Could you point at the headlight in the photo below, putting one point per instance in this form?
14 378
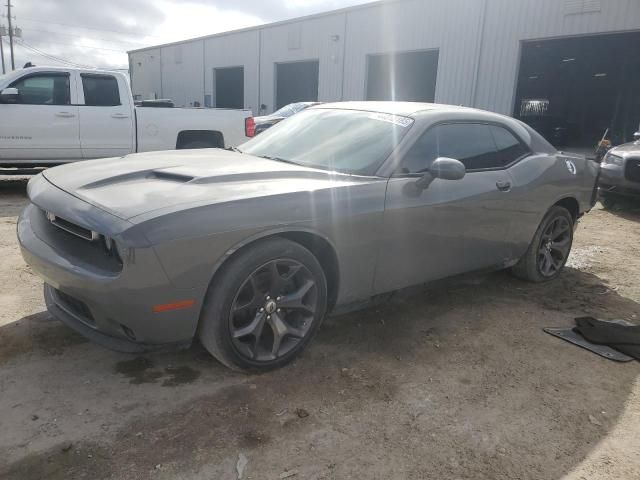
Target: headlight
611 159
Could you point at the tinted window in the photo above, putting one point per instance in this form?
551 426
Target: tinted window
100 90
472 144
509 147
43 90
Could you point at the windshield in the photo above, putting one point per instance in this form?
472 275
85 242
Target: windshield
348 141
289 110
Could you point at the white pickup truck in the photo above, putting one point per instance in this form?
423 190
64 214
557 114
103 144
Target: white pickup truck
53 115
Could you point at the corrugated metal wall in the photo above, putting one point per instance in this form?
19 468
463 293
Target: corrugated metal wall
478 41
146 74
234 50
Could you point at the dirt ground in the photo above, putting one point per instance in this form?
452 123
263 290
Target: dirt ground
453 382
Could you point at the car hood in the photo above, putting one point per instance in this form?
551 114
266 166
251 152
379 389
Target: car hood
164 182
632 148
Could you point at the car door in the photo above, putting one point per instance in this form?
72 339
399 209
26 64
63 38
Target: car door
453 226
42 124
106 122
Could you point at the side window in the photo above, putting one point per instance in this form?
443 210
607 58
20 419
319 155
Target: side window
509 147
422 154
45 89
100 90
478 146
470 143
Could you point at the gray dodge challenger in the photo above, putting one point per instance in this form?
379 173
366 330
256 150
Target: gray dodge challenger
248 250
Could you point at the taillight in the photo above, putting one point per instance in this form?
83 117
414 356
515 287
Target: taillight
249 127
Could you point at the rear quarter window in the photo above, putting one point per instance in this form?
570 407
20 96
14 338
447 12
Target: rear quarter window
100 90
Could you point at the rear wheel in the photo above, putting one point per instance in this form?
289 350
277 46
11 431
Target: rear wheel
550 248
264 307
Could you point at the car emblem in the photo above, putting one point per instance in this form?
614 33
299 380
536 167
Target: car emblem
571 167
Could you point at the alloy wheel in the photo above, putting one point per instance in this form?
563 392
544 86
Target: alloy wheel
273 310
555 246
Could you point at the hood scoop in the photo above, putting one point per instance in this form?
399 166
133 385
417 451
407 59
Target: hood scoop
171 176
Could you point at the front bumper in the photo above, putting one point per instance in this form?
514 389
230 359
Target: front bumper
613 182
113 307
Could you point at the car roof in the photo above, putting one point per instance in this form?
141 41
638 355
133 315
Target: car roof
408 109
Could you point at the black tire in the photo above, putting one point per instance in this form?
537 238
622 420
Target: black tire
239 299
533 265
197 145
608 202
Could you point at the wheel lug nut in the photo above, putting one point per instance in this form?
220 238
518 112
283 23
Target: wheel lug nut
268 297
262 309
268 317
278 310
278 298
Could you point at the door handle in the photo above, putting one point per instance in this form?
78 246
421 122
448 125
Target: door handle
65 114
504 185
119 115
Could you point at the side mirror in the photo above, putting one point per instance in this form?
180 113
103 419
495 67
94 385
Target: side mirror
443 168
9 95
636 135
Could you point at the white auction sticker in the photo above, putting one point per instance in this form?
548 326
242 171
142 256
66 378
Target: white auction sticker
390 118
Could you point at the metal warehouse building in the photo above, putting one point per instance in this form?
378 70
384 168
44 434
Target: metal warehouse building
570 67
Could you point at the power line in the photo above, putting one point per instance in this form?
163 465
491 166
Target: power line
81 36
87 46
80 26
50 56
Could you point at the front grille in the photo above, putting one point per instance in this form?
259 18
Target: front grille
632 170
75 306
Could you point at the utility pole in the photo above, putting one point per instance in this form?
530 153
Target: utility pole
3 31
13 63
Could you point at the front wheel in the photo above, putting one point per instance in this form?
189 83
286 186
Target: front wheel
264 307
550 248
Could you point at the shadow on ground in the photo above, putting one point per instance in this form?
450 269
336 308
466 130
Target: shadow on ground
457 381
627 208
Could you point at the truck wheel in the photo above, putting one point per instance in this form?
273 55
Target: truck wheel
550 248
264 306
196 145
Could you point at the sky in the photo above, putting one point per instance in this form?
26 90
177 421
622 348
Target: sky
98 33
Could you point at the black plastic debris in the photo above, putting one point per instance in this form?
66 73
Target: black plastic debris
616 340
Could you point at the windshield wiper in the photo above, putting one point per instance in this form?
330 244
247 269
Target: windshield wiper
234 149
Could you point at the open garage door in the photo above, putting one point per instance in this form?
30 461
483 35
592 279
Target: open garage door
572 90
408 76
229 87
296 82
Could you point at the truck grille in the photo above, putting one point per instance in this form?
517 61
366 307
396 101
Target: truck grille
632 170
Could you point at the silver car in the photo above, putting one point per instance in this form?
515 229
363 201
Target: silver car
250 249
620 175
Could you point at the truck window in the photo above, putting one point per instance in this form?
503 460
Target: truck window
43 89
100 90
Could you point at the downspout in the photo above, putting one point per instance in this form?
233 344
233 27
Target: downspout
344 54
480 43
259 72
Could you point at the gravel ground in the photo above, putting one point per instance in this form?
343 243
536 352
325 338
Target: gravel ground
452 382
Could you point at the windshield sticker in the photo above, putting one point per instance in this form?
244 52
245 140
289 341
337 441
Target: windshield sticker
389 118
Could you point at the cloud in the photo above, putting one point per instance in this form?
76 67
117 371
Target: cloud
99 33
